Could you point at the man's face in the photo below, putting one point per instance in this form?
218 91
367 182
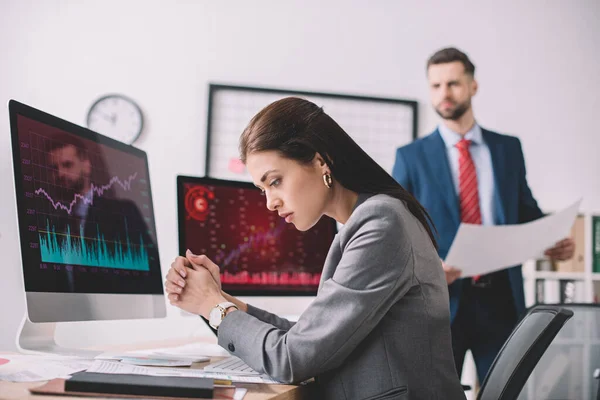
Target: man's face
451 89
70 171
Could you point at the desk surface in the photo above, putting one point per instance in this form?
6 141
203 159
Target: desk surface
20 391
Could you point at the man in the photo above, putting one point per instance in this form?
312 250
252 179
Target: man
87 224
462 172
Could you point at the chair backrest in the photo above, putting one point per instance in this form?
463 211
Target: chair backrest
565 370
522 351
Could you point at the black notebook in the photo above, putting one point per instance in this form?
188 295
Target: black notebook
167 386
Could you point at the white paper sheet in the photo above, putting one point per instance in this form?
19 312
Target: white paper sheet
154 362
479 249
239 393
34 368
196 349
153 356
111 367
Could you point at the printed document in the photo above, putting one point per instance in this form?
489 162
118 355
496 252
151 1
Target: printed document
481 249
111 367
34 368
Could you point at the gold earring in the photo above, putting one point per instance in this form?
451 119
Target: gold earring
327 180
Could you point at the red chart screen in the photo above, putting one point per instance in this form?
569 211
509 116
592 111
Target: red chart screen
257 251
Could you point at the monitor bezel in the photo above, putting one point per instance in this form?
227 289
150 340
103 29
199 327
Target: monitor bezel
63 306
186 179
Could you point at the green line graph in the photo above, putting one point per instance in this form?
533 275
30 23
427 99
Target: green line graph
94 252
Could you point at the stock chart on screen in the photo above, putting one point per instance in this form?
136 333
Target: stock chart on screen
89 218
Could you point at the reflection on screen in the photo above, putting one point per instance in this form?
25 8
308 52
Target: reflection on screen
88 220
257 251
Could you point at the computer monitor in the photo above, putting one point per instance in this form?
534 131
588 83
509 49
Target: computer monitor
86 227
259 254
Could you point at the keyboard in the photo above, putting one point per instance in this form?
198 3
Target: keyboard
231 366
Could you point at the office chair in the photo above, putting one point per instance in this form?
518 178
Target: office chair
566 368
522 351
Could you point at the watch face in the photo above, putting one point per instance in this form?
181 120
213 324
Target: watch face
116 116
214 318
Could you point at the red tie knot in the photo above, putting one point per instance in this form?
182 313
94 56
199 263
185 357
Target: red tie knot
463 144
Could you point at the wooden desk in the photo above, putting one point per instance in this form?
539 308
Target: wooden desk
261 391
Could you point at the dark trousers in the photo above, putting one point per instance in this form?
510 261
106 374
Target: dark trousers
485 319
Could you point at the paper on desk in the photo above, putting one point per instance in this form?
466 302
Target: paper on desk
194 352
111 367
239 393
155 362
195 349
33 368
480 249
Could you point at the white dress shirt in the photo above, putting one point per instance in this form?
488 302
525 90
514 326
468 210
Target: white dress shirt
482 158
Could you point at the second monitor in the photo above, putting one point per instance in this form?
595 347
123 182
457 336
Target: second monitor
258 252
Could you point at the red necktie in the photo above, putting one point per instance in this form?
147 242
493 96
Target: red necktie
468 189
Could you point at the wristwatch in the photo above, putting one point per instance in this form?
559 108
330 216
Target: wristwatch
218 313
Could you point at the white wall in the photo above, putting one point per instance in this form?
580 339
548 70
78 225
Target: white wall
537 64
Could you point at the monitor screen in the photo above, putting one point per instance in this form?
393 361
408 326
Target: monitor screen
257 251
85 216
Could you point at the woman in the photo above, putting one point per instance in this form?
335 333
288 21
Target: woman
379 327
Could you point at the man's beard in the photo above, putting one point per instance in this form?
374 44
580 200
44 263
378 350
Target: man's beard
458 112
71 188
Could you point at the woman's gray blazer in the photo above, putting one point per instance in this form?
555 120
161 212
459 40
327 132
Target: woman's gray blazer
379 327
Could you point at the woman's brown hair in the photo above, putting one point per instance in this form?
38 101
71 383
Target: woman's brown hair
298 129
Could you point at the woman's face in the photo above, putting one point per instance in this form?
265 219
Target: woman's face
296 191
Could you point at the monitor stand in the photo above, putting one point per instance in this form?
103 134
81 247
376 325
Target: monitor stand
38 338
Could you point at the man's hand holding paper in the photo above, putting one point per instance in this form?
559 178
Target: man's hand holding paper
562 250
451 273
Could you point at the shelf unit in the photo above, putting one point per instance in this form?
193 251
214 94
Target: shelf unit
590 281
